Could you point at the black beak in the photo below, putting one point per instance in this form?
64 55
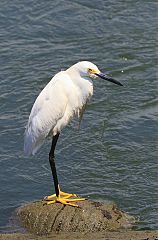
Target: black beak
105 77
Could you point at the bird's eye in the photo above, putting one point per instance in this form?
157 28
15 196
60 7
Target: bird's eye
89 70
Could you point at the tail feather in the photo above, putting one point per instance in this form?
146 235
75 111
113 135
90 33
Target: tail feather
31 145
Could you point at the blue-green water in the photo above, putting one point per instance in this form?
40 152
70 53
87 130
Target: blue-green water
114 156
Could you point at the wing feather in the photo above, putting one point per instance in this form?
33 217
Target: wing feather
48 108
53 109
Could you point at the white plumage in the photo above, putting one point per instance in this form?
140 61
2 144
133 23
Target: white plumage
63 97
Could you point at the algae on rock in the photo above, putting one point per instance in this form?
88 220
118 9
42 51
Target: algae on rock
90 216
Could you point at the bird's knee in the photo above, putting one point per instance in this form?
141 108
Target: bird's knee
51 156
52 159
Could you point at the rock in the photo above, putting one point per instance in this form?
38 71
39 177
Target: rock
90 216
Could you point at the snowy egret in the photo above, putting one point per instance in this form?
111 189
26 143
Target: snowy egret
63 97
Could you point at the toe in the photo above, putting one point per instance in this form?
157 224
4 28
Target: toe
50 202
50 197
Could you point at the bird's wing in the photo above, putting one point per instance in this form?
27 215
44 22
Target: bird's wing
48 109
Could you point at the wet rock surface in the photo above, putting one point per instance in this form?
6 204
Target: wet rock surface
90 217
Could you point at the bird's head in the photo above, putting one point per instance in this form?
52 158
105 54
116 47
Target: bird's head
88 69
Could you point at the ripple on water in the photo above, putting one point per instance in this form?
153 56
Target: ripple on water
114 155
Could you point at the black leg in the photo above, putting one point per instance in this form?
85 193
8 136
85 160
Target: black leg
52 163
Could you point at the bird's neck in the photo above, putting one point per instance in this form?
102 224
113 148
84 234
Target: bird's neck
83 83
77 78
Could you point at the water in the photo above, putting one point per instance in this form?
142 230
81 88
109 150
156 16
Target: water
114 155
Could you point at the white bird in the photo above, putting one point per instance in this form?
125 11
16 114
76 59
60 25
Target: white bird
63 97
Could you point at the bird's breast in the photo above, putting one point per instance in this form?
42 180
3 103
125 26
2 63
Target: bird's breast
86 88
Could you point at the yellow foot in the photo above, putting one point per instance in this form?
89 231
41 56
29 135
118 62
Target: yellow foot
65 201
61 194
64 198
